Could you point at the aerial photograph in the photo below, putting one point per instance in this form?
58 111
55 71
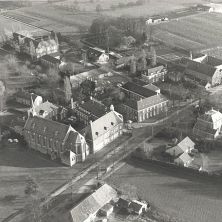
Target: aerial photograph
110 110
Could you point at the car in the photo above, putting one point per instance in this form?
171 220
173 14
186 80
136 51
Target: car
10 140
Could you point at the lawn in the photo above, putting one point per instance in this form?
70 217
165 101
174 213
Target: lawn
195 32
16 166
183 195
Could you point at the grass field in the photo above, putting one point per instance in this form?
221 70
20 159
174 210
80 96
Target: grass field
194 32
150 7
16 165
188 197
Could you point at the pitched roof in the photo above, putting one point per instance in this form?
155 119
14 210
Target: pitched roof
93 203
50 59
103 124
47 127
151 87
174 151
211 116
46 107
94 108
185 158
212 61
138 89
200 68
186 144
155 69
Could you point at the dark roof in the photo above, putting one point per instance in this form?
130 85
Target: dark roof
203 128
123 203
212 61
26 95
138 89
201 68
95 108
50 59
43 126
92 203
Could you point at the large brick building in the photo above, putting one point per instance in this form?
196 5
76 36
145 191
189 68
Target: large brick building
53 138
141 103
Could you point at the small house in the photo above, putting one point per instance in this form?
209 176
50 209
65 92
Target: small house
184 160
138 207
185 146
123 203
106 210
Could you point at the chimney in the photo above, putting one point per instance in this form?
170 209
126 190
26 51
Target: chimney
112 107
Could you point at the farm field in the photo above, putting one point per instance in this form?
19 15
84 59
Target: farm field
180 194
8 26
195 32
150 7
54 18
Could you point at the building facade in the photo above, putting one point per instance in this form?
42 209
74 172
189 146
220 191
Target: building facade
141 103
155 74
53 138
35 44
104 130
208 126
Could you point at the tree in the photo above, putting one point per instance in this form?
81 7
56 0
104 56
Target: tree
153 56
98 8
67 89
31 187
88 87
133 65
143 60
2 96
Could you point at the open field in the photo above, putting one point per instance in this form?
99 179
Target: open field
194 32
183 195
54 18
151 7
7 26
16 165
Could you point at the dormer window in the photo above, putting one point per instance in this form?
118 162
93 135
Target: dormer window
33 125
44 129
105 128
112 123
56 133
97 133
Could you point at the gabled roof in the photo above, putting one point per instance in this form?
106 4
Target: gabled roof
185 158
92 203
155 69
46 107
144 92
212 61
186 144
211 116
201 68
47 127
102 125
50 59
93 108
151 87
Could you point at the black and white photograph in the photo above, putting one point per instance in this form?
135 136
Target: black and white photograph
110 110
